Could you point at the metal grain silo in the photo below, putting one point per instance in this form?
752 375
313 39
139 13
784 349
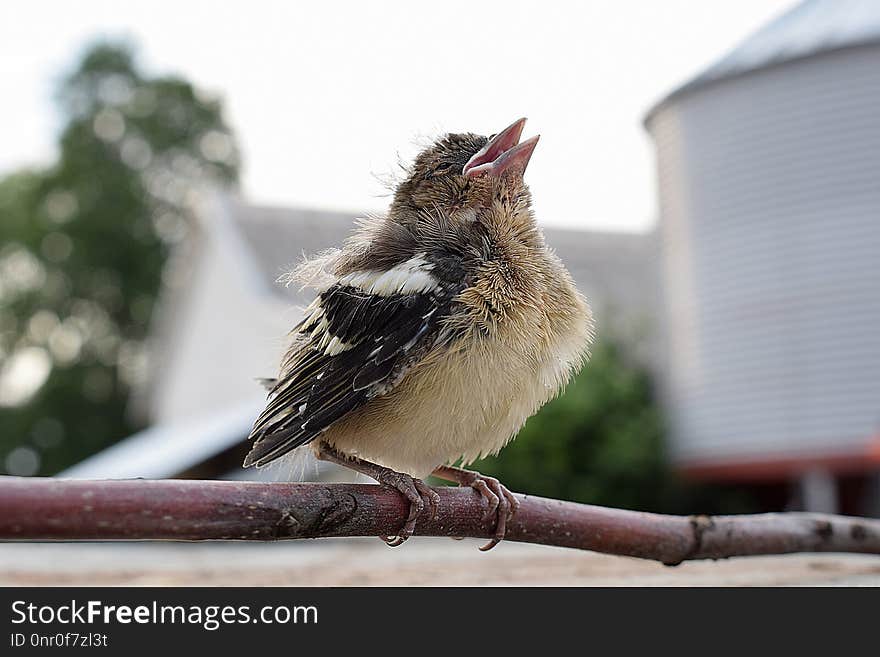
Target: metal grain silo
769 198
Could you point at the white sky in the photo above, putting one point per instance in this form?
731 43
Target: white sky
326 95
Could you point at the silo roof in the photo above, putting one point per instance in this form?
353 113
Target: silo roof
812 27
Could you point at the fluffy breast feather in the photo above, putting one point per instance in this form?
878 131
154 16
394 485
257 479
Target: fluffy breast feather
469 399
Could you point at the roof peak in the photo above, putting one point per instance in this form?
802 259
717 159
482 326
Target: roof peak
809 28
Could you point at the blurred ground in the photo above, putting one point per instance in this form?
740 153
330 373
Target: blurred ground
427 562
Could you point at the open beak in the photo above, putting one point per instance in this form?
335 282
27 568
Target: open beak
503 153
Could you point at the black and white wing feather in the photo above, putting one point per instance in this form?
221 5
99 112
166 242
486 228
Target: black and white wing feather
359 337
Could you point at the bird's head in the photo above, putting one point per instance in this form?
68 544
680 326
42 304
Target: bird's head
468 177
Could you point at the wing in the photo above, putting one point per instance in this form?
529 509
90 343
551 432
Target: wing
358 339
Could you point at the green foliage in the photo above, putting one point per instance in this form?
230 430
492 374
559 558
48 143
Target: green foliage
602 442
82 250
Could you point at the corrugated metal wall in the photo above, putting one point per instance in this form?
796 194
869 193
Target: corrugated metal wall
769 190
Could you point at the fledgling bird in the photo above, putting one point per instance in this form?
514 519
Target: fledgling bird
438 329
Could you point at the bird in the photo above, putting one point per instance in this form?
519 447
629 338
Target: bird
437 330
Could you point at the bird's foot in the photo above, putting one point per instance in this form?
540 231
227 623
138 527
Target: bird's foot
419 495
499 500
415 490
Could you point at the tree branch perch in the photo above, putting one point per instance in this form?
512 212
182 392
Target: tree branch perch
52 509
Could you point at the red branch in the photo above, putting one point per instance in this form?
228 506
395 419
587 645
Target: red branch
52 509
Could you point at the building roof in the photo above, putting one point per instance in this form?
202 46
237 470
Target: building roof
277 238
810 28
166 450
614 269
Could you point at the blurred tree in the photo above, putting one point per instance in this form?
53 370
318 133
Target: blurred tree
602 442
82 251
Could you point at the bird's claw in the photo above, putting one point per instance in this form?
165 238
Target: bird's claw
419 495
499 501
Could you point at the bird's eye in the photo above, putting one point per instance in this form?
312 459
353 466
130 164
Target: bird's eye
492 136
441 169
